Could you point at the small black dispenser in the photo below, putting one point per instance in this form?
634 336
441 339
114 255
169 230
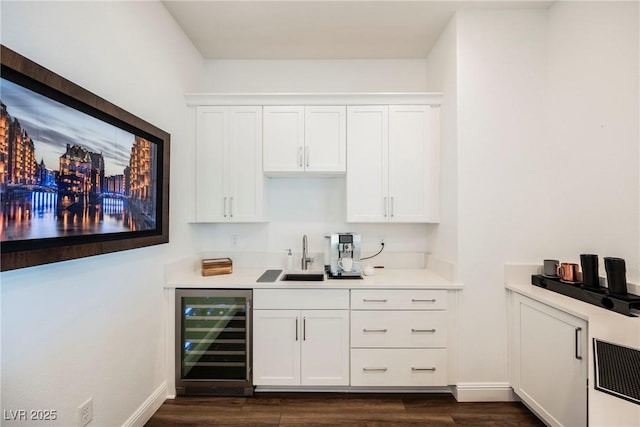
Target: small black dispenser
590 275
616 275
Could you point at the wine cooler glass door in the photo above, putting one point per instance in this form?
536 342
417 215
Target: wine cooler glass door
214 338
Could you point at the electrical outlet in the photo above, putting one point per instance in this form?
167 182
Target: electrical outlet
234 241
85 413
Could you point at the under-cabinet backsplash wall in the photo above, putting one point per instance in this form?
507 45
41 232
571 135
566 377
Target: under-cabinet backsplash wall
311 206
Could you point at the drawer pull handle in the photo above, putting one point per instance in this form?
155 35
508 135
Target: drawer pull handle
374 330
374 369
374 300
423 330
423 300
423 369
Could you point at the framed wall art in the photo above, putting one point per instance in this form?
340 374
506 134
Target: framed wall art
79 176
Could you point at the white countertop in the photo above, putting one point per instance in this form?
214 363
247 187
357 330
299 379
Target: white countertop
246 278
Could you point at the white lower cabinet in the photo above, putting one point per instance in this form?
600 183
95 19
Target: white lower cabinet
298 339
399 338
548 357
358 337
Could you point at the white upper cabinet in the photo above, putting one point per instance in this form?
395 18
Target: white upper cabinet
393 163
325 139
229 181
309 139
368 174
386 144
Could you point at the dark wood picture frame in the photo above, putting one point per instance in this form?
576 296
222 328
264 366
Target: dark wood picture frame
15 254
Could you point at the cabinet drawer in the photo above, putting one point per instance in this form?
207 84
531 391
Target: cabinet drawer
301 299
399 329
402 299
398 367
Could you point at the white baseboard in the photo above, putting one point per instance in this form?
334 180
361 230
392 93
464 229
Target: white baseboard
148 407
484 392
350 389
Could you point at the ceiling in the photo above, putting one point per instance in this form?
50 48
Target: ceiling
335 29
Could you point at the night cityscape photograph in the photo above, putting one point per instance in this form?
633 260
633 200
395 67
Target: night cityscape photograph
66 173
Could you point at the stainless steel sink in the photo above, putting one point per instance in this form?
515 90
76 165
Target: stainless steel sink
303 277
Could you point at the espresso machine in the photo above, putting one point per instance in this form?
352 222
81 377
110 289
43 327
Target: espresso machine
344 256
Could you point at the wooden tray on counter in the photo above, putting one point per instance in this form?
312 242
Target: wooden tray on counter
215 266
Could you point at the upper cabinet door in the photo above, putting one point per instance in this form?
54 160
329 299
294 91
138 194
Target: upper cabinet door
325 143
283 139
211 182
246 181
413 163
367 170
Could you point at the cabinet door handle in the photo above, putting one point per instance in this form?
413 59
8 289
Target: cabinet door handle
231 207
423 330
304 329
373 300
224 207
432 369
374 369
296 329
392 207
578 355
374 330
423 300
300 156
307 155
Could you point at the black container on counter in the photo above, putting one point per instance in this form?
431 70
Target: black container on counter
616 275
590 275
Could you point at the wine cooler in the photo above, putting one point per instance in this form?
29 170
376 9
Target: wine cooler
213 342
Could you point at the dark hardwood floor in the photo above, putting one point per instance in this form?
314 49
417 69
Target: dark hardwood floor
338 409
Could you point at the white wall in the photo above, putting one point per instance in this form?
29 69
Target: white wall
593 118
351 75
94 327
442 76
548 151
593 121
501 86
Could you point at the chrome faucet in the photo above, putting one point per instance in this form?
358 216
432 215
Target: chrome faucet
305 256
